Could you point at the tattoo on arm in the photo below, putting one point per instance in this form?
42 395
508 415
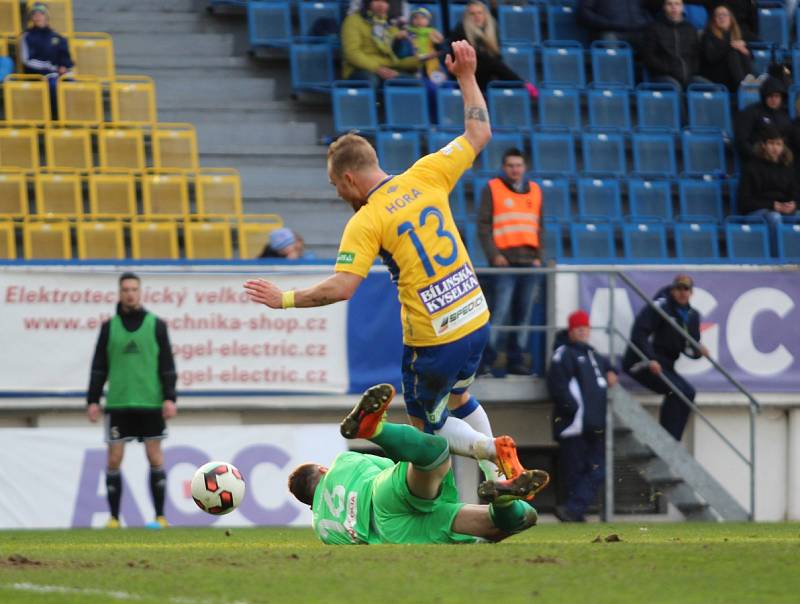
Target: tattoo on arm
476 113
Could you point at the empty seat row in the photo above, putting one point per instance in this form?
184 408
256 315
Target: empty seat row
112 193
148 238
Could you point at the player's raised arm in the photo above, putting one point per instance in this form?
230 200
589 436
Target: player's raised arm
477 129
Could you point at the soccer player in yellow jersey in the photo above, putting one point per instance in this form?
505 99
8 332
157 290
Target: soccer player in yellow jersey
406 220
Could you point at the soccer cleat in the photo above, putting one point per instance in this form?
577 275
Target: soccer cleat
366 416
507 460
524 486
159 523
113 523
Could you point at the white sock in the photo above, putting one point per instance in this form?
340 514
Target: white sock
466 441
479 421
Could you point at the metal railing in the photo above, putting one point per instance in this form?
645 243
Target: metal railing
611 329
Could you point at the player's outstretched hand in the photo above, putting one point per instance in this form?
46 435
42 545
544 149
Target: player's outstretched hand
463 60
264 292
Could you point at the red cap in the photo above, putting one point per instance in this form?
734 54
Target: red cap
579 318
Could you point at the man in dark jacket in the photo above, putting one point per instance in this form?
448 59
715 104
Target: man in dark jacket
615 20
771 110
134 354
768 185
663 345
578 381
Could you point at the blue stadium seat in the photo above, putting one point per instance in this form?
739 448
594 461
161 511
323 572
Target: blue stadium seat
592 240
748 94
518 24
732 187
553 152
609 107
612 64
562 63
709 107
478 185
603 152
697 240
353 106
439 138
658 106
773 24
703 152
644 240
456 12
746 239
761 53
654 153
474 247
435 9
406 103
700 197
553 244
458 203
555 196
397 149
315 15
521 58
789 242
311 66
450 105
492 155
559 108
562 23
269 23
650 198
599 197
509 105
696 15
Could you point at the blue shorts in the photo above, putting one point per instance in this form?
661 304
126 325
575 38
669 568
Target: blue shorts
432 373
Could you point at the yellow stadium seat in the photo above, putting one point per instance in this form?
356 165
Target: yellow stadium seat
165 194
218 191
60 12
69 148
100 239
208 240
120 147
133 100
59 193
112 193
10 23
8 240
254 230
3 41
93 55
80 101
46 239
27 98
174 147
154 239
19 148
13 194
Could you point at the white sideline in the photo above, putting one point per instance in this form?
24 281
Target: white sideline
115 595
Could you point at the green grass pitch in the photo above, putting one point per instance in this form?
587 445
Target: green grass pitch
685 563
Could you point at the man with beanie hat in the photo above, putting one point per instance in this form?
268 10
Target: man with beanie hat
663 345
578 381
283 243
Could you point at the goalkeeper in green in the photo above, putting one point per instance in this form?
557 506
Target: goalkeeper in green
411 497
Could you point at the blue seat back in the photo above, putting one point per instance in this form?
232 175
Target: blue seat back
746 240
315 16
269 23
599 197
353 106
518 24
609 108
658 106
555 197
709 107
492 155
612 64
644 240
406 103
397 149
749 94
562 64
450 105
697 240
789 242
311 66
654 153
700 197
462 212
559 107
521 58
553 152
592 240
553 240
509 105
479 183
562 23
761 53
703 152
650 198
474 247
773 24
456 14
603 153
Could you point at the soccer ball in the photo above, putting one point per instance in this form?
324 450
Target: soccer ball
217 488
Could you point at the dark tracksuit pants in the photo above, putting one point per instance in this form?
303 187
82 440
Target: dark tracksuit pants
583 467
674 412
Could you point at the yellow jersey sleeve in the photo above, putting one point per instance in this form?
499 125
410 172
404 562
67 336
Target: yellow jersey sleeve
444 167
360 245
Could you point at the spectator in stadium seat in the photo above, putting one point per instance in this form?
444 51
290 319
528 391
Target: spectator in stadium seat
770 110
479 28
509 223
663 345
768 185
578 381
744 12
43 51
672 48
398 9
134 354
725 57
367 38
615 20
284 243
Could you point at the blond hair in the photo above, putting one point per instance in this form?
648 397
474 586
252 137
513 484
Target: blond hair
486 34
352 153
736 31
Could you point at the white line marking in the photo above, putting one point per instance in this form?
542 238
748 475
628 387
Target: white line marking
115 595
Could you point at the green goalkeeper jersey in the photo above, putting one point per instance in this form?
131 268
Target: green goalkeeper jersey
343 499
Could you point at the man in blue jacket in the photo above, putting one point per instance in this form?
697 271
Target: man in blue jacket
578 381
663 345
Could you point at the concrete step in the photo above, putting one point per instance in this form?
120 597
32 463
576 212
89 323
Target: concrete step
210 93
165 23
179 45
267 112
246 137
274 156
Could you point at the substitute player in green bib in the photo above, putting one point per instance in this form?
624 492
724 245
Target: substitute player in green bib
411 497
134 354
